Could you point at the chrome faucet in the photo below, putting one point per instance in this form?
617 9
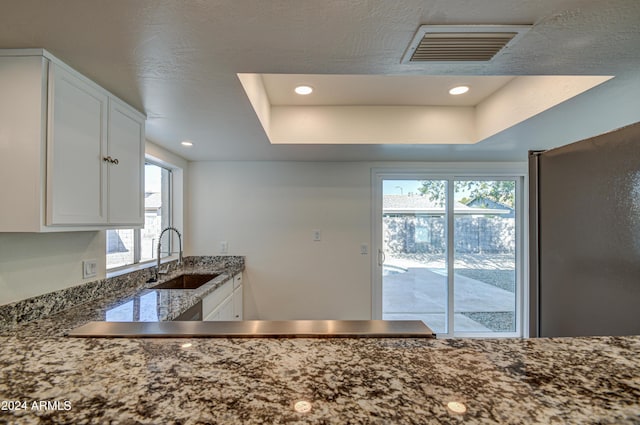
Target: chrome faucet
158 271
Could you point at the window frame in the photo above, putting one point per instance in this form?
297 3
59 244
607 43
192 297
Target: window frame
137 232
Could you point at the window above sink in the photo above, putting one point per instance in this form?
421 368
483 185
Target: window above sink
126 247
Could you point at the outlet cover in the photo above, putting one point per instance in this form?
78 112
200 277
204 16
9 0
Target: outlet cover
89 269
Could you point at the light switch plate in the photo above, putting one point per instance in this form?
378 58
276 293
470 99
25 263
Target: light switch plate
89 269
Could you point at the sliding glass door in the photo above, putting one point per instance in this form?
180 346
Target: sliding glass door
484 258
448 253
414 248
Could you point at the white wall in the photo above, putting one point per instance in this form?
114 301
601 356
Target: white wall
267 212
36 263
372 124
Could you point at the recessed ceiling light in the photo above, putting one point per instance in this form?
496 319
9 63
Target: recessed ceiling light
188 143
459 90
304 90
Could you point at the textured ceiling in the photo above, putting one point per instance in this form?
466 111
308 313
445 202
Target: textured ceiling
177 61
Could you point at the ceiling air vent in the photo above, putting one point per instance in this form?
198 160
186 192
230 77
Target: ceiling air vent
461 43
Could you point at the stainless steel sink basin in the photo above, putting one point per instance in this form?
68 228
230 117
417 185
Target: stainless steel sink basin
186 281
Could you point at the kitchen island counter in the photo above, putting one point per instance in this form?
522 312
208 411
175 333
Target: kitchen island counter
351 380
46 377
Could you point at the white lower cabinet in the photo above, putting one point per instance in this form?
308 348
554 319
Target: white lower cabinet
237 297
224 311
237 303
225 303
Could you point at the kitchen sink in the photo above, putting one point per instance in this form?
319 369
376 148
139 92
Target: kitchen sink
186 281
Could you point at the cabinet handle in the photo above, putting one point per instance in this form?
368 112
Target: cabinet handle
110 160
115 161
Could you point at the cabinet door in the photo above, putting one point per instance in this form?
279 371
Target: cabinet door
223 312
213 316
237 280
226 309
76 142
212 301
237 303
126 178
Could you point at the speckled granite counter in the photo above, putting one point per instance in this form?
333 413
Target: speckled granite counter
347 381
63 380
58 312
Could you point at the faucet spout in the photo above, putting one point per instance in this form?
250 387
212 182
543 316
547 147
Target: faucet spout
158 271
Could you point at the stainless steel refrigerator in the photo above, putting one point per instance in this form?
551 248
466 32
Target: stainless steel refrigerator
585 237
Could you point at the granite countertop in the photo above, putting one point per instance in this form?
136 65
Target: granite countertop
161 305
129 303
377 381
48 378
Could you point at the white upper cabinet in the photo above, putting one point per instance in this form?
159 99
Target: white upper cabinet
77 139
71 153
125 159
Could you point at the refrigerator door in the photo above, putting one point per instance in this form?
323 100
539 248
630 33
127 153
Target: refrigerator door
585 237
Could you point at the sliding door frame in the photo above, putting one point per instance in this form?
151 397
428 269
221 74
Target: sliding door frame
451 172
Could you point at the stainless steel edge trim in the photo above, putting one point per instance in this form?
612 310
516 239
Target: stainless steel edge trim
258 329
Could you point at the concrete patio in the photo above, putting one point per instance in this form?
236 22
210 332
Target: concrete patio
421 293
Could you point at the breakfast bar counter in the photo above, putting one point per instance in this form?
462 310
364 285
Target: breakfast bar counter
319 381
47 377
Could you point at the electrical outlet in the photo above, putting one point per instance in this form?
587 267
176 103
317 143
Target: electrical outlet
224 247
317 236
364 249
89 268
